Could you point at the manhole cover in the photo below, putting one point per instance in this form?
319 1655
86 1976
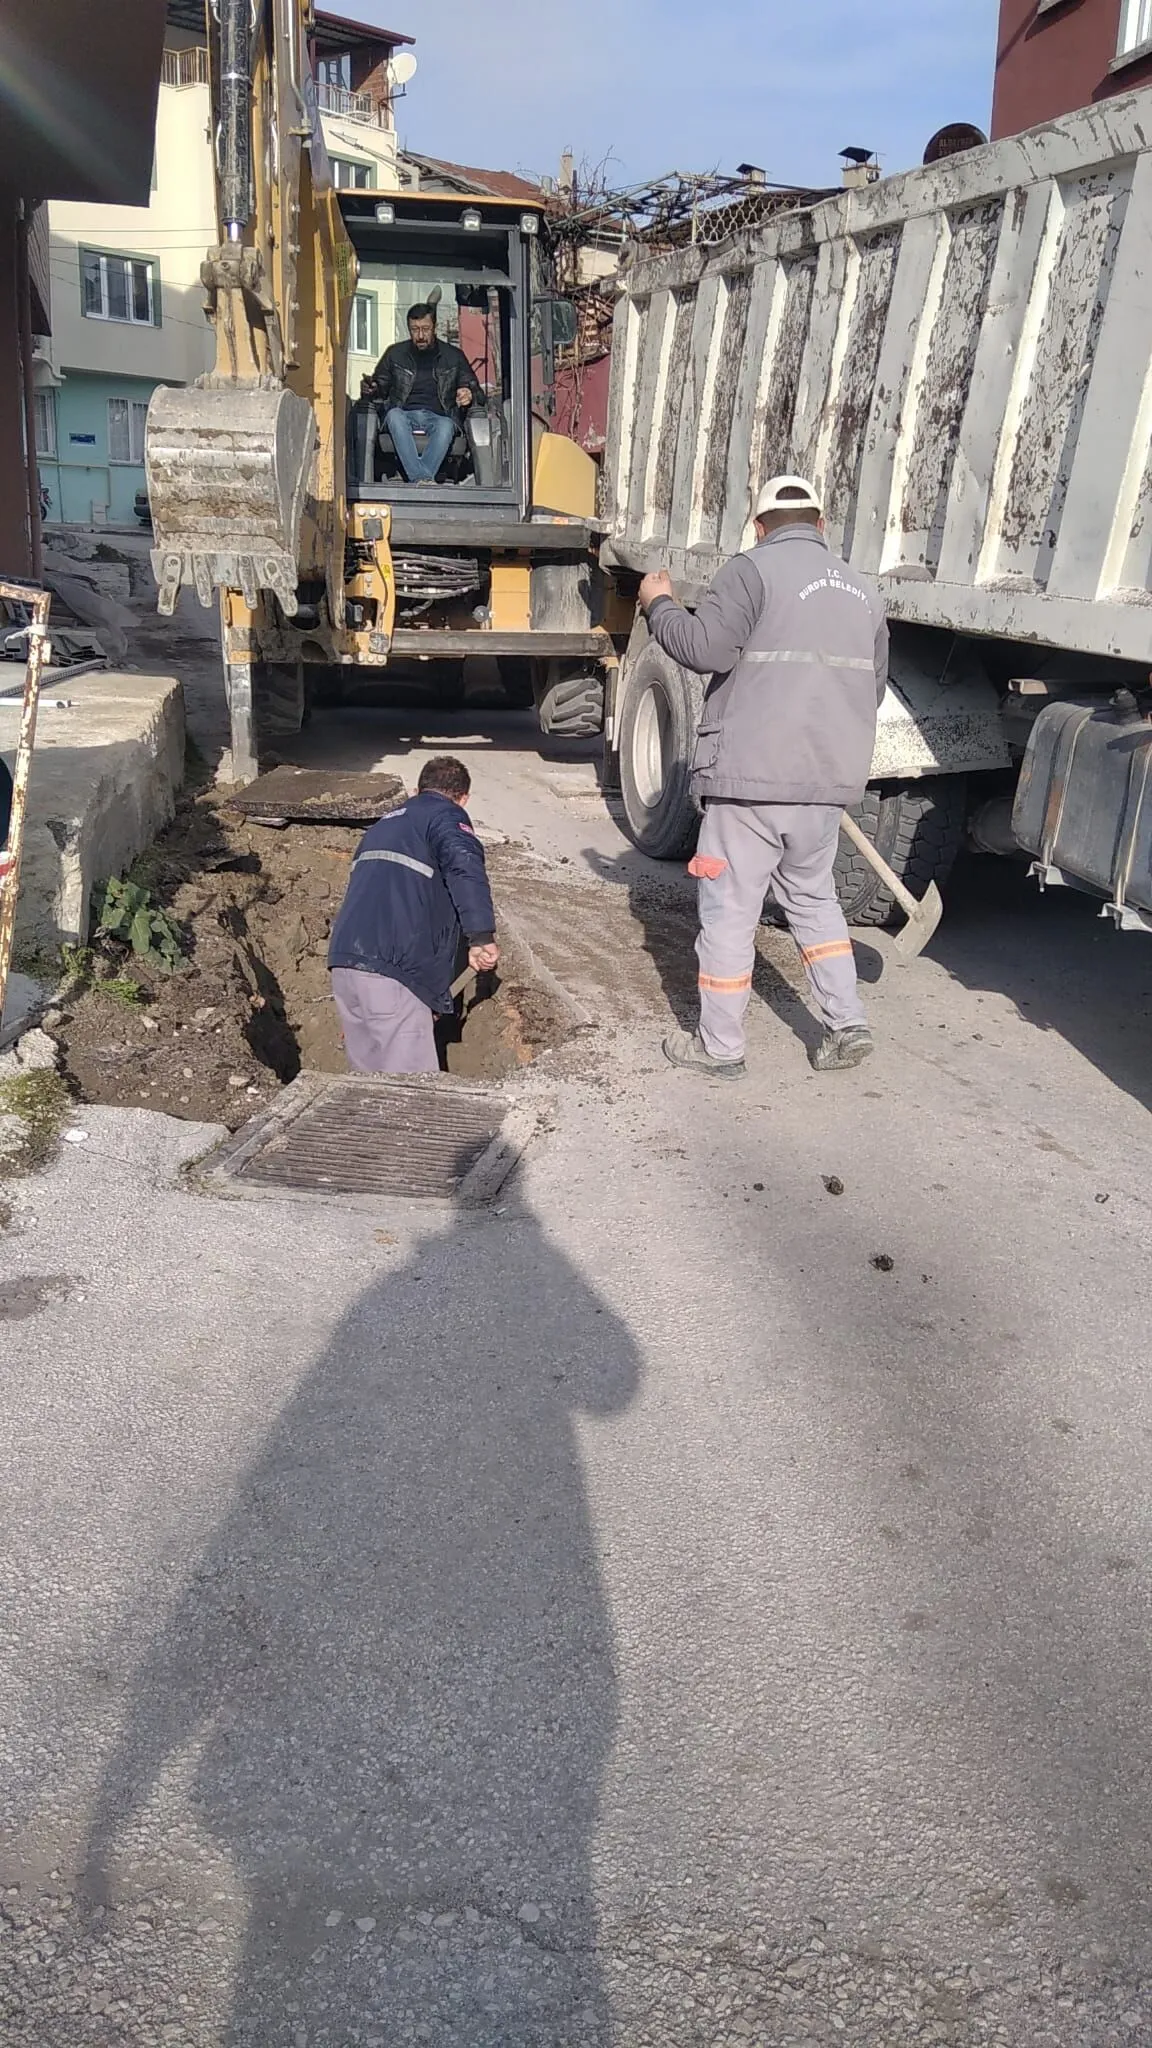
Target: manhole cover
318 796
359 1137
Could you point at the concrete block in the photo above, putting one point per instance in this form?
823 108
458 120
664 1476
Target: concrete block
105 774
24 1001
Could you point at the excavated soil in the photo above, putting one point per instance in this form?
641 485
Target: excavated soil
250 1007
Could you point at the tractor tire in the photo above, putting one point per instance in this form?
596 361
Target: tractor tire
658 722
571 704
918 828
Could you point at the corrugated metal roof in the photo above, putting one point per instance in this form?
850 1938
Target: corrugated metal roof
501 184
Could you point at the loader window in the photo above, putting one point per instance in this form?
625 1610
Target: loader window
473 314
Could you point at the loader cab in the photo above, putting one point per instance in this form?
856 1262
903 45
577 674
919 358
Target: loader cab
479 263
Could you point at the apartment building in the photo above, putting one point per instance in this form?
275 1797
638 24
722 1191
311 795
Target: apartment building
128 306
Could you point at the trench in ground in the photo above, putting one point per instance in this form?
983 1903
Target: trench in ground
250 1007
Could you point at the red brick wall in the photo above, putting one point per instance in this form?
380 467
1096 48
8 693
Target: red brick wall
1050 63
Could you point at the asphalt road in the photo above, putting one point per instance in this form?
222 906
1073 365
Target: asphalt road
632 1616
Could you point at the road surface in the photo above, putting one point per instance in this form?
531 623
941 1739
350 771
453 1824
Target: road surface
685 1605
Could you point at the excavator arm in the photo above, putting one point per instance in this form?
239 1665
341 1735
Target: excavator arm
246 466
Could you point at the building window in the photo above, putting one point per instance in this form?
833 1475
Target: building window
362 339
118 288
335 71
353 177
1135 26
126 418
45 422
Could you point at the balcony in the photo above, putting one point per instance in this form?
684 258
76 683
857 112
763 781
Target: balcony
354 106
185 67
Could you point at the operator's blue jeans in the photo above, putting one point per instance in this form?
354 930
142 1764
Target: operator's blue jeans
440 429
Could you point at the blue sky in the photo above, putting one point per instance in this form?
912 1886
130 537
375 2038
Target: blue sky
661 85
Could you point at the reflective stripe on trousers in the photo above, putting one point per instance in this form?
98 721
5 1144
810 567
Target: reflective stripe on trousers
790 849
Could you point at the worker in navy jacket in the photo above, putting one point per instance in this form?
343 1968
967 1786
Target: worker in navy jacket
418 882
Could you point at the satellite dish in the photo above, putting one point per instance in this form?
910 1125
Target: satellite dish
402 67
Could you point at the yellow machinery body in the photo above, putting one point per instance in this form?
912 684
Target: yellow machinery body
323 576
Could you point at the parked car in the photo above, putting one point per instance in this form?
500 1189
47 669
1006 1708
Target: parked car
142 508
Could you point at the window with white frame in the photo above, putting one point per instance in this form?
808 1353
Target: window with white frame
349 176
117 288
126 418
45 422
1135 26
362 334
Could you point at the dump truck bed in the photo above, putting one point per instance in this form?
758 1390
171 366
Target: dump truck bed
961 357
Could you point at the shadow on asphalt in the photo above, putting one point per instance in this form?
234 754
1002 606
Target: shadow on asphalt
667 917
393 1667
1064 966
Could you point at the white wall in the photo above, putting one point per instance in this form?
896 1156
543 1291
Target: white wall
174 230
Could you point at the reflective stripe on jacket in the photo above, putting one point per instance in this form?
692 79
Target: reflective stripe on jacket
797 647
417 882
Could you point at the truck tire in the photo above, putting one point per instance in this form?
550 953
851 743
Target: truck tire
571 702
918 828
658 721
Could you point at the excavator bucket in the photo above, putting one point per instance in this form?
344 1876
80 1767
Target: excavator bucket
228 469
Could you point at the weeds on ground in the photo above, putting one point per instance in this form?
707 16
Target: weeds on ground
76 962
120 988
33 1110
125 912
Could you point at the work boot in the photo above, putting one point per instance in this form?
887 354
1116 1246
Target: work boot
687 1049
845 1048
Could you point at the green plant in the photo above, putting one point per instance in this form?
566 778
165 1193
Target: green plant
121 988
126 912
76 962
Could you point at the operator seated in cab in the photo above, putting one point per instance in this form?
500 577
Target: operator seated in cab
423 386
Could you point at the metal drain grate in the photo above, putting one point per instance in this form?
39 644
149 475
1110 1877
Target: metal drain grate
364 1137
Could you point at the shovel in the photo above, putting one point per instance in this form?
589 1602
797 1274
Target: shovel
923 915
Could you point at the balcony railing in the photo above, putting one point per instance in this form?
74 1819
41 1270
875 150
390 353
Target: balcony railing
353 106
185 67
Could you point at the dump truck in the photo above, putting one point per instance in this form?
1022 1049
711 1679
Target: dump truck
276 491
961 359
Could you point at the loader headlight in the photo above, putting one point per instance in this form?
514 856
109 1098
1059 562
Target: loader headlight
386 213
470 219
529 223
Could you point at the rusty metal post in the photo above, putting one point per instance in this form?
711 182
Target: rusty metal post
40 601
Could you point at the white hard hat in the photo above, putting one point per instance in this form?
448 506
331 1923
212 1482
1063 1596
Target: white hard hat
788 494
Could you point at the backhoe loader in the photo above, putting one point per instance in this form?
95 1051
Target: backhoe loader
279 493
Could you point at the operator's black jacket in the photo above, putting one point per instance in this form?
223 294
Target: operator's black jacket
418 880
395 375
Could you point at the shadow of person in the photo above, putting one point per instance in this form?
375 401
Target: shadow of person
388 1685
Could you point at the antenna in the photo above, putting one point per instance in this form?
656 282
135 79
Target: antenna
402 67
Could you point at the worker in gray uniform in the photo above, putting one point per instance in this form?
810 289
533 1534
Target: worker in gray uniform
797 648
